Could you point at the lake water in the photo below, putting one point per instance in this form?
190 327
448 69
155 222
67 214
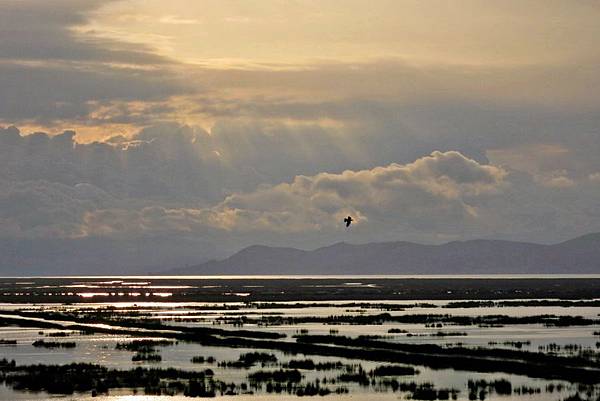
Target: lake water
276 305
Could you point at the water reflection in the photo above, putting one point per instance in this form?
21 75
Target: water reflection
292 318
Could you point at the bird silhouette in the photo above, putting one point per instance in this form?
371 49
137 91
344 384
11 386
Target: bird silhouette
348 220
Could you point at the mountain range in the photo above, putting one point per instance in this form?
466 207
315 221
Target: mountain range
576 256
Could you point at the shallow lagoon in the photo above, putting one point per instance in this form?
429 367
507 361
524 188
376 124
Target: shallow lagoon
100 347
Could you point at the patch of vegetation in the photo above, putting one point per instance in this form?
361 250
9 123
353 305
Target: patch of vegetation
449 334
423 391
306 364
280 376
429 320
483 387
528 303
474 359
393 370
144 346
514 344
146 357
360 378
202 359
82 377
309 364
577 369
58 334
246 361
53 344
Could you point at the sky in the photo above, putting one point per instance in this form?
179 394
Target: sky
151 134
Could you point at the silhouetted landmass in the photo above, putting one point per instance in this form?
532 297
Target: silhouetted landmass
579 255
275 290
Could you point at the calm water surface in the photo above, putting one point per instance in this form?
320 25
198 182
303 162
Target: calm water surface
100 348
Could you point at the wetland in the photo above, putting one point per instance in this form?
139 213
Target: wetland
342 338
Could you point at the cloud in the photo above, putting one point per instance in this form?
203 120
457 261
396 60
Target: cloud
184 185
59 69
177 163
379 130
441 196
147 167
44 32
278 179
51 94
105 190
52 73
176 20
42 209
252 149
555 179
435 186
439 187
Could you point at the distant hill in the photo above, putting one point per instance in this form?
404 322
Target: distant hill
576 256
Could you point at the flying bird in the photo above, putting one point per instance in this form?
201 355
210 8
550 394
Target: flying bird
348 220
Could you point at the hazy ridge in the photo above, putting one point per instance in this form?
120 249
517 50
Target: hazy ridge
577 256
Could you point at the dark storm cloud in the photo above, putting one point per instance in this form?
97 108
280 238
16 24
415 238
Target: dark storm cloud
176 163
34 30
49 72
54 93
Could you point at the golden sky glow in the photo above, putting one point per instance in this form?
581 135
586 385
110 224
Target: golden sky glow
229 122
304 32
198 62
